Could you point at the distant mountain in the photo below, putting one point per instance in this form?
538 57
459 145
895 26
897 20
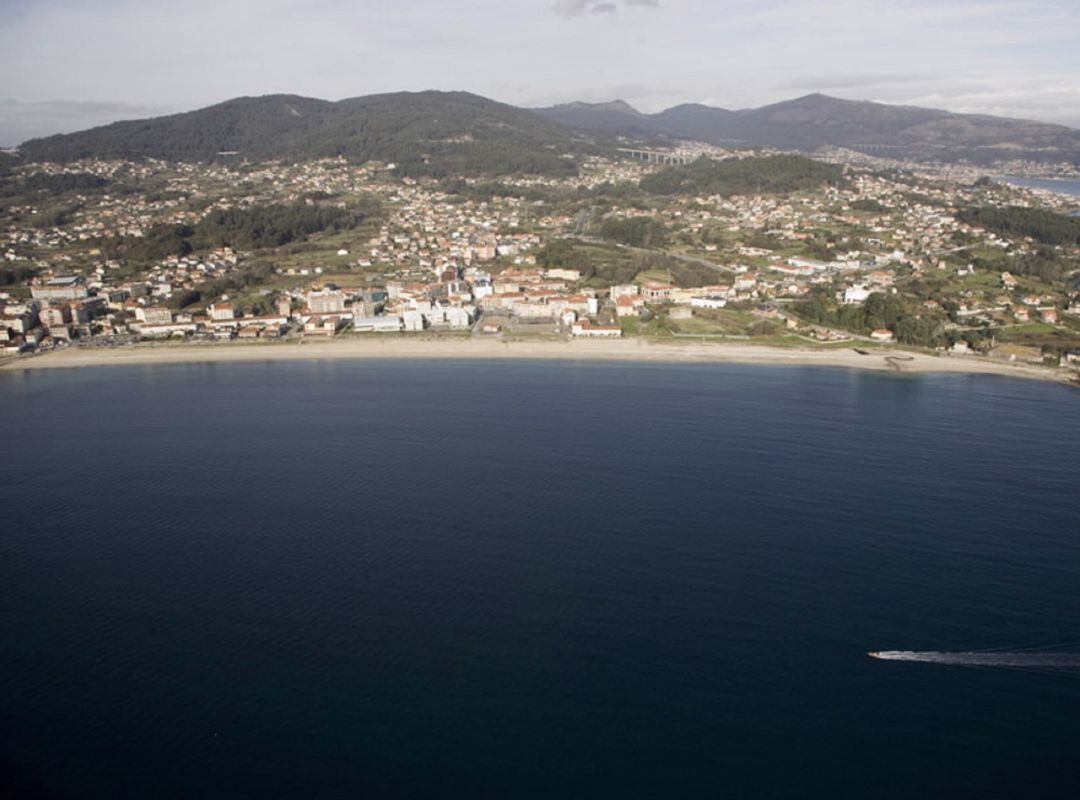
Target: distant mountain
425 133
697 122
617 117
442 133
815 121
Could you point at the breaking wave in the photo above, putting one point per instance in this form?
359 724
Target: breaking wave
1066 661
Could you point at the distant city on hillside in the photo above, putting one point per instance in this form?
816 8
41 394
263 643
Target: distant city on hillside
810 224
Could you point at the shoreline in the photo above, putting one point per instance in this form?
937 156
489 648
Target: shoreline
632 349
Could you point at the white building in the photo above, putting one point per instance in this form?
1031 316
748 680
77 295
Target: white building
853 295
326 302
586 329
68 288
709 301
222 312
154 315
452 316
482 288
387 324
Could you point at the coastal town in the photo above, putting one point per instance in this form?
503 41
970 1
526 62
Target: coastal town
108 254
562 398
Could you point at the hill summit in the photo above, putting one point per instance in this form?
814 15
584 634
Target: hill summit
816 120
424 133
441 133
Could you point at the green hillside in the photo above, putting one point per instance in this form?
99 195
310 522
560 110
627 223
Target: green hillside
733 176
426 133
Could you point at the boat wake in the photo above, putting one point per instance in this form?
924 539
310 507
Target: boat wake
1034 661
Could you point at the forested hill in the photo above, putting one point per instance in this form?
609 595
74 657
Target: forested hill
1045 227
732 176
815 121
443 133
424 133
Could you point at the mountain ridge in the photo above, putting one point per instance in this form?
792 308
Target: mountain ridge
816 120
424 133
437 133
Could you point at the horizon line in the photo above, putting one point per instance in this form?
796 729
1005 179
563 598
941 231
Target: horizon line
156 112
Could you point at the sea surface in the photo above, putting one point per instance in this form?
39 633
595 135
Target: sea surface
513 579
1066 186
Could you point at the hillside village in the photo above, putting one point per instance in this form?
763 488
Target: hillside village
882 256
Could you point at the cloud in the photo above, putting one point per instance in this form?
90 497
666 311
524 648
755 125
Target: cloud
1013 57
576 8
861 80
22 121
1045 97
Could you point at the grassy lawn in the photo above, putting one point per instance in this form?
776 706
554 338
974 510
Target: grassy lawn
979 281
1039 334
657 275
636 326
1012 332
724 321
789 340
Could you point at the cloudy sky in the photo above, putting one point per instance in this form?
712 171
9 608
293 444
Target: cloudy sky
70 64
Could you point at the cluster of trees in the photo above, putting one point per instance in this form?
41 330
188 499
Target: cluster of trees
868 204
603 274
273 225
1045 227
162 195
625 194
920 199
760 239
606 194
733 176
159 242
603 266
8 163
487 191
689 273
15 274
880 310
249 228
647 232
598 264
560 253
82 182
238 280
490 158
232 283
1044 263
815 248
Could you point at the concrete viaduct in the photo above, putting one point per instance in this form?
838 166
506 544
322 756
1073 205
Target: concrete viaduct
657 157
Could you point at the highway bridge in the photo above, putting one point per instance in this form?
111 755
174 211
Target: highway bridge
658 157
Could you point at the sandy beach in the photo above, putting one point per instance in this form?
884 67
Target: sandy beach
635 349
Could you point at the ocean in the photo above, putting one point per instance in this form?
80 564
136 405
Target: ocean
1067 186
534 579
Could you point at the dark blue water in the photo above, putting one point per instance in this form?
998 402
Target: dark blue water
517 580
1067 186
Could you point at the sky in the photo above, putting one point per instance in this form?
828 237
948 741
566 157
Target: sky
71 64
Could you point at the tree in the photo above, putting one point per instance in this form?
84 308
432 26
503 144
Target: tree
732 176
645 232
1046 227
